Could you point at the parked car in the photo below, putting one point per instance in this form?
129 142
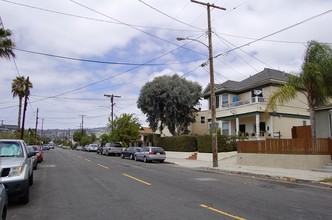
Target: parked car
148 154
129 152
34 158
79 148
3 202
16 168
92 148
39 153
112 149
46 147
100 149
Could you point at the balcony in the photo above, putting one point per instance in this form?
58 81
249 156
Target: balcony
254 100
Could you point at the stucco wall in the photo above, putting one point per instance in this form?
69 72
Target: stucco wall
303 162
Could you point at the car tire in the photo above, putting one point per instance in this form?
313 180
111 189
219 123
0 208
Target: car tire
26 197
162 161
31 180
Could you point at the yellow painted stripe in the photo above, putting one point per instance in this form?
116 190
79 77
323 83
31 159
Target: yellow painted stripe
103 166
139 180
87 160
221 212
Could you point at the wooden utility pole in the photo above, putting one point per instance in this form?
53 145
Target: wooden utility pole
212 92
36 127
82 123
112 105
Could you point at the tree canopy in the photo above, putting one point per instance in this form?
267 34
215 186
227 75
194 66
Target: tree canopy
6 44
314 81
170 101
125 129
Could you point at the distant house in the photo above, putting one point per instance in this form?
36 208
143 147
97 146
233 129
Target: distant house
4 128
240 107
144 133
324 122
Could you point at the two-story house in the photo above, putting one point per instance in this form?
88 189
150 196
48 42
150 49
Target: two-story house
241 107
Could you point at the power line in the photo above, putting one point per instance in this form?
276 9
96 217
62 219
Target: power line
88 18
274 33
175 19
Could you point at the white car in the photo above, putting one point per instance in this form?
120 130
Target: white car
92 148
3 202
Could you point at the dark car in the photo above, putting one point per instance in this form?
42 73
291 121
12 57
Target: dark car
39 153
100 149
34 158
129 152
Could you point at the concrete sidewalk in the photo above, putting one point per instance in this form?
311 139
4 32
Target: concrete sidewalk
230 165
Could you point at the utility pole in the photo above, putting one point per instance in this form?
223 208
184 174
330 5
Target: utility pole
36 127
112 105
212 92
82 123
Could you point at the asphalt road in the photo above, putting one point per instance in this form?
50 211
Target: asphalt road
81 185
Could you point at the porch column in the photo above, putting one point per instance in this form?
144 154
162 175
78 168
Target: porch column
257 125
271 131
237 125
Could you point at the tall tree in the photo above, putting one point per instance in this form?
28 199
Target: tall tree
125 129
170 101
314 81
6 44
19 90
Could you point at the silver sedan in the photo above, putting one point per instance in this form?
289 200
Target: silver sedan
148 154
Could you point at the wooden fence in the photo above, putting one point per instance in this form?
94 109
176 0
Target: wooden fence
286 146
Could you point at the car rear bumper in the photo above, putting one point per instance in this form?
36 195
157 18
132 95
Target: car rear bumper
156 157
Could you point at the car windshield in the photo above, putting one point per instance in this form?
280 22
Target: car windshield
10 149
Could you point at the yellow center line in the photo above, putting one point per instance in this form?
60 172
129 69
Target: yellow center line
139 180
87 160
221 212
103 166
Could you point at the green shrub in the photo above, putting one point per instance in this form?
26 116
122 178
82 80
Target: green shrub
185 143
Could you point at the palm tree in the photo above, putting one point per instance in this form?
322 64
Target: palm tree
314 81
19 90
6 44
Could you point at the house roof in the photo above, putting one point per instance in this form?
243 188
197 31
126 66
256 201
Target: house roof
265 77
145 130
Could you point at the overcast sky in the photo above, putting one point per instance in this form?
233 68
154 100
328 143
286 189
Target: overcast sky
129 42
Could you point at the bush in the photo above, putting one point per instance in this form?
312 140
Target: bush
178 143
225 143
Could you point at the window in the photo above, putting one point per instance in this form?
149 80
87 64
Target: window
224 98
225 128
202 120
217 101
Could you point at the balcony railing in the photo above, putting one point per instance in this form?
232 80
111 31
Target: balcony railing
245 102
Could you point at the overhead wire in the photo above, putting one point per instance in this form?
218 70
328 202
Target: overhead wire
88 18
175 19
274 33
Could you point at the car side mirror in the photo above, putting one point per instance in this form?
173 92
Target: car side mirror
31 154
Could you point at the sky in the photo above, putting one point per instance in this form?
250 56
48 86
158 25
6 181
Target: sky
76 51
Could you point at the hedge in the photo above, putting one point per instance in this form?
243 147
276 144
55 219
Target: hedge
201 143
